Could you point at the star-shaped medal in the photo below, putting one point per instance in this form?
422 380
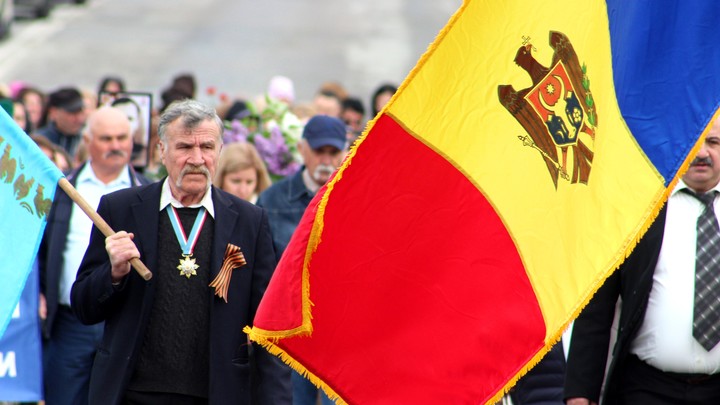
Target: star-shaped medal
187 266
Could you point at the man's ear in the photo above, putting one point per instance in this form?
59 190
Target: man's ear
161 148
302 146
51 114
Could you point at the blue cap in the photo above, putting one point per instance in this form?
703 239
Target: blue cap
324 130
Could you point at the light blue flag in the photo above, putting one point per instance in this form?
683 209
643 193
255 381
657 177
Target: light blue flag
21 348
27 186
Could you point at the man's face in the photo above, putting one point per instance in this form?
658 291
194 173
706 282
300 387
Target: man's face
109 144
190 157
354 120
321 162
704 171
68 123
327 105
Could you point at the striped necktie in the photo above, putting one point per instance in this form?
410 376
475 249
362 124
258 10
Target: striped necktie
706 314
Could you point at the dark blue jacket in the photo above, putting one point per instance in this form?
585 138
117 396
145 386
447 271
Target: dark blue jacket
285 203
543 384
69 142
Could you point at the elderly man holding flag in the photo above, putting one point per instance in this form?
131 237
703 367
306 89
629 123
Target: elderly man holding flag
178 338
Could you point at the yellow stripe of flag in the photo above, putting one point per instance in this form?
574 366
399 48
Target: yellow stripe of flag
552 226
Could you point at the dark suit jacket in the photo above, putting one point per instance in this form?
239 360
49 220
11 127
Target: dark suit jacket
126 309
591 333
50 256
543 384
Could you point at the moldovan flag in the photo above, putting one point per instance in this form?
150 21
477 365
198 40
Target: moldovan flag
27 186
513 171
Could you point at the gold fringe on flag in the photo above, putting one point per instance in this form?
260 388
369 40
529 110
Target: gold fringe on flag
272 348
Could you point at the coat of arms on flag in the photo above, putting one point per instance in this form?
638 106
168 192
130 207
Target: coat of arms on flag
557 111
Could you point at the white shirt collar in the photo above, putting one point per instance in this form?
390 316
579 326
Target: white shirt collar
310 184
166 198
681 185
88 174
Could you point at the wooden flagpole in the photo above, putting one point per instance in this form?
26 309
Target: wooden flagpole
138 265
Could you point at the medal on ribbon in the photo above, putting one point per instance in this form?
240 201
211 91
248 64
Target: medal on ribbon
188 267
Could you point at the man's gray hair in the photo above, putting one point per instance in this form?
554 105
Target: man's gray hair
192 113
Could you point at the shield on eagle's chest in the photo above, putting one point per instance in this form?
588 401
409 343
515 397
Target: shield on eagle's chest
555 101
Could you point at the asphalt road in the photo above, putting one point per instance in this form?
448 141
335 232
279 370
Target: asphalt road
233 45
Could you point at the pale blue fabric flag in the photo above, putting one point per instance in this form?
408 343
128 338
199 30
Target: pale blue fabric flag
27 186
21 349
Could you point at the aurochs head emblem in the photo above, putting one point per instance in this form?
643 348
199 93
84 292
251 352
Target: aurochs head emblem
557 111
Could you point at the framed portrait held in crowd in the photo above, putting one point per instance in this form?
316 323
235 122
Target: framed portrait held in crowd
138 107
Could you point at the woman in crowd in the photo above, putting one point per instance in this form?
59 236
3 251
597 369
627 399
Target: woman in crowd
241 172
380 97
34 101
55 153
20 116
111 84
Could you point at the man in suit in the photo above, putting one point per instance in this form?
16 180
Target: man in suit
174 339
659 356
69 345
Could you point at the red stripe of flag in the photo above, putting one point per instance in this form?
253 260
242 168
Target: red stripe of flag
439 261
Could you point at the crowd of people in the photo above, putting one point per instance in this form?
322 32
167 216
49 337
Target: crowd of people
110 337
54 118
199 205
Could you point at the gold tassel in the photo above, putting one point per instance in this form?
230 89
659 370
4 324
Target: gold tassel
233 259
294 364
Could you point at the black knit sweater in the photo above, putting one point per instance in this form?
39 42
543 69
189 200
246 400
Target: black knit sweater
174 354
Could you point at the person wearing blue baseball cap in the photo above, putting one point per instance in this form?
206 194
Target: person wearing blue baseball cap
322 147
323 144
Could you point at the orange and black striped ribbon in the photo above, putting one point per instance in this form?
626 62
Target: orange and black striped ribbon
233 259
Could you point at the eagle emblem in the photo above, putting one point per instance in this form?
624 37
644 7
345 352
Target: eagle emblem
557 111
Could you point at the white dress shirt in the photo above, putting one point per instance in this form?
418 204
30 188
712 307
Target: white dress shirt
665 338
80 225
166 198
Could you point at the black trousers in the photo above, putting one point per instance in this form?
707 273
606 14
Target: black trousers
160 398
641 383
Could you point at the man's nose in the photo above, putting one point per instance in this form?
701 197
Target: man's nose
247 188
326 159
704 151
196 156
